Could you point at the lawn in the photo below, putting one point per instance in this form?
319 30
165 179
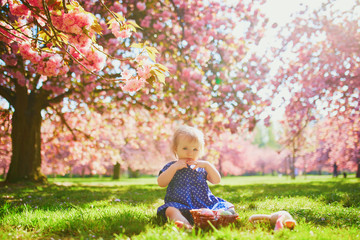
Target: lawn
100 208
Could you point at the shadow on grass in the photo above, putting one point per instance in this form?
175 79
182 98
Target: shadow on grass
19 198
335 203
83 211
53 197
329 192
104 225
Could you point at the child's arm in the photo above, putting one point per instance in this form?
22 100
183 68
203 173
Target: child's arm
213 175
165 177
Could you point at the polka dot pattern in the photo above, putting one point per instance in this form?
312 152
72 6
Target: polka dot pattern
188 189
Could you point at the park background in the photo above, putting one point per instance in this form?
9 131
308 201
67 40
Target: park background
92 91
275 92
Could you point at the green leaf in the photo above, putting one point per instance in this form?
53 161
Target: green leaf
120 17
218 80
110 21
137 45
152 49
152 52
132 28
159 75
70 7
133 23
162 67
64 37
97 28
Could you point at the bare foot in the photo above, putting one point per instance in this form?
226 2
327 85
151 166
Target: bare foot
181 224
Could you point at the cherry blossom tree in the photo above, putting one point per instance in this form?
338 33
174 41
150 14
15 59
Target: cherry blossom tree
206 47
235 154
339 138
96 142
318 65
79 51
50 52
5 141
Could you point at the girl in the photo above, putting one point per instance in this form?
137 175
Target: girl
186 179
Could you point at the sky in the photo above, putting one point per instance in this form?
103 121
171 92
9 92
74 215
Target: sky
279 11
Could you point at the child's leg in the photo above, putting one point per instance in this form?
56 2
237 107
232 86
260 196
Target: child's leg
175 215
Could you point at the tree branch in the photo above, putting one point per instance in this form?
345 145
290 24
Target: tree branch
63 120
59 98
181 19
8 95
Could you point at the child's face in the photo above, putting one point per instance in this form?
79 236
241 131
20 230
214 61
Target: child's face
188 148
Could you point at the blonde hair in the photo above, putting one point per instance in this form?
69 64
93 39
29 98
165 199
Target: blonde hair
192 133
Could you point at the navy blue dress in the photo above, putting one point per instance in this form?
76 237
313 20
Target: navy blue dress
188 190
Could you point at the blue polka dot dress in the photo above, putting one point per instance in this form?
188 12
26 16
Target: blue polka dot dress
188 190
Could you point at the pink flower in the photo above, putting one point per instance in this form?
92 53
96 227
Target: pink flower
99 60
18 9
82 41
146 22
95 60
84 19
20 78
144 71
267 121
76 29
134 85
115 29
158 26
28 53
141 58
126 74
117 7
10 60
36 3
57 21
126 33
69 20
141 6
161 37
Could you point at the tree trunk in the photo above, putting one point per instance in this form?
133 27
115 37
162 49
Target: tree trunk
358 169
116 174
287 159
292 166
26 140
70 172
220 166
4 172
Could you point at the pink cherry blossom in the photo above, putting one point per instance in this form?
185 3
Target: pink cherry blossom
144 71
134 84
18 9
126 33
126 74
145 22
141 6
158 26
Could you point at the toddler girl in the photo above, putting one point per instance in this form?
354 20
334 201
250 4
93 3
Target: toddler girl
186 179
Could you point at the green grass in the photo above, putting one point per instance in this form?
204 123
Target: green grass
100 208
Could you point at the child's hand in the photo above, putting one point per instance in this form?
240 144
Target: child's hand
180 164
201 164
194 164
